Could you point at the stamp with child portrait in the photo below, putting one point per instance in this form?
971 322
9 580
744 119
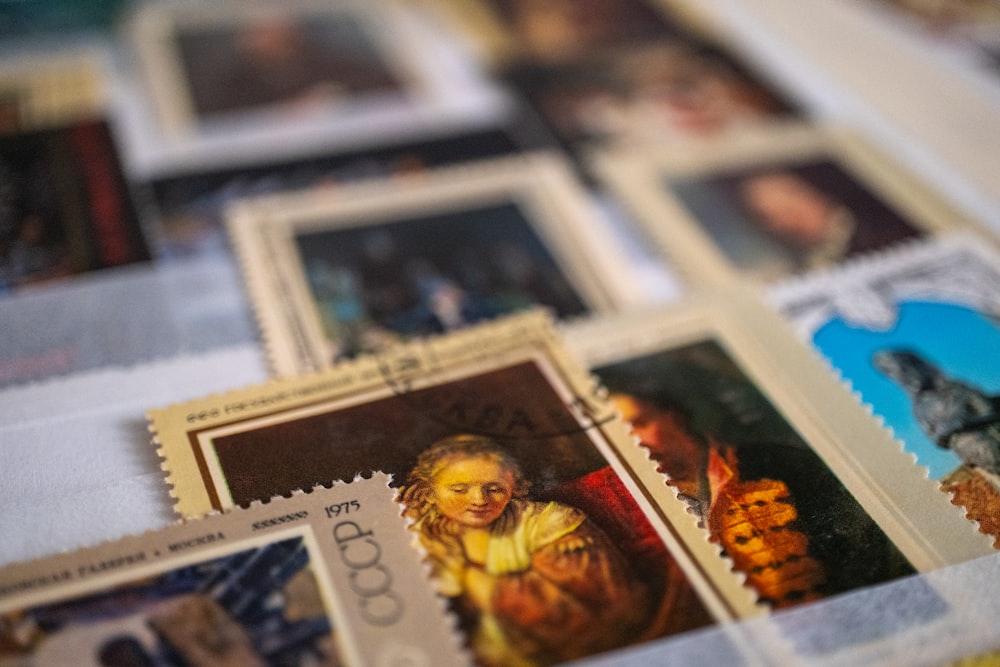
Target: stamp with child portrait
537 511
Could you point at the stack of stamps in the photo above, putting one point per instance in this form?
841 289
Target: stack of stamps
483 442
548 530
735 491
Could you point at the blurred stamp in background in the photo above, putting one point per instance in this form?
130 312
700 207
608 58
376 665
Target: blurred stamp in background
665 91
65 207
512 31
915 334
228 59
190 206
771 204
323 578
235 84
548 530
336 273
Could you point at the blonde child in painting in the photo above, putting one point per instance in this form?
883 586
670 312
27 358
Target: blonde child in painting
533 582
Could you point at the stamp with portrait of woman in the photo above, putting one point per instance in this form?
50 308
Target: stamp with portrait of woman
334 273
780 466
548 531
775 203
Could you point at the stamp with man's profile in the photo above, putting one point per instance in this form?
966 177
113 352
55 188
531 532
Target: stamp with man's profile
780 466
774 203
535 508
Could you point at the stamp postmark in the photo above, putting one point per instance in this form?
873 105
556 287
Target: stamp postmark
509 463
804 492
914 333
337 561
334 274
770 204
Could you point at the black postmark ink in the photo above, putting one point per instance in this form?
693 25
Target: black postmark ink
462 405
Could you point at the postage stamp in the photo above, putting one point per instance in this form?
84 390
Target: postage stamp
555 30
190 207
773 203
65 207
671 90
327 577
803 491
340 272
209 62
915 334
548 530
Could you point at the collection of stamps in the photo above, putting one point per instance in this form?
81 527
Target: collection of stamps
484 443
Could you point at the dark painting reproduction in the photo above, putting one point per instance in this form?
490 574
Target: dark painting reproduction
673 89
560 29
375 284
260 606
191 207
755 485
281 61
773 220
65 207
542 551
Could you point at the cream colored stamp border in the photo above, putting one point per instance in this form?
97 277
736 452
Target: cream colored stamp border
153 30
422 631
555 206
639 179
53 89
435 361
896 493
